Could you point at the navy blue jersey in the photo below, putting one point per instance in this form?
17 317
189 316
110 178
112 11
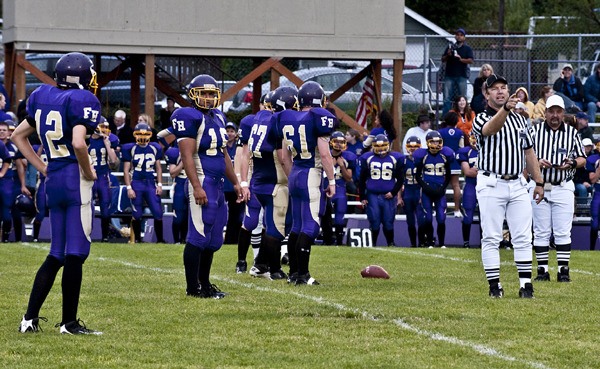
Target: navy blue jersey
209 132
469 155
382 173
434 165
56 113
246 126
591 163
453 138
13 152
301 130
410 171
4 155
173 157
143 159
262 145
98 153
349 162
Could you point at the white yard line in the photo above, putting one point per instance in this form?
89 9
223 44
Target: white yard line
479 348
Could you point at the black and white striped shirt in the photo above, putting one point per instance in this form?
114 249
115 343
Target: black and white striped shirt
556 147
502 153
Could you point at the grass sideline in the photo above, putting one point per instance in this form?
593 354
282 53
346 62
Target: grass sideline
433 313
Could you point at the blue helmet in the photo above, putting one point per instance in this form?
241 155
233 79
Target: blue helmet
381 144
142 133
76 71
338 141
412 144
267 101
284 98
204 92
435 142
25 205
312 94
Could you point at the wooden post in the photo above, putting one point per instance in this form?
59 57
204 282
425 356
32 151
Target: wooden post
149 96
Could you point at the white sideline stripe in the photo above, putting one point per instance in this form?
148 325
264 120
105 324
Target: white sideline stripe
479 348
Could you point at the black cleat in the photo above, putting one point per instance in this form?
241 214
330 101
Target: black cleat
280 274
285 259
76 327
31 325
209 291
542 275
292 278
563 274
260 271
526 292
306 279
241 266
496 291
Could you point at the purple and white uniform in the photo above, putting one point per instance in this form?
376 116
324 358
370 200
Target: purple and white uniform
143 181
206 222
56 113
99 155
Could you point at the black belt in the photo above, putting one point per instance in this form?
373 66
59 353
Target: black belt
559 182
506 177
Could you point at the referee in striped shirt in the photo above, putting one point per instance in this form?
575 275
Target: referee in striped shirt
560 151
505 150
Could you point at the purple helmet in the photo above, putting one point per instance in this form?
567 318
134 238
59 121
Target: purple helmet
284 98
204 92
75 71
312 94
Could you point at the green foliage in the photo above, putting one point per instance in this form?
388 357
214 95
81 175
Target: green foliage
433 313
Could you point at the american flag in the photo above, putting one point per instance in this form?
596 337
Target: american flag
366 103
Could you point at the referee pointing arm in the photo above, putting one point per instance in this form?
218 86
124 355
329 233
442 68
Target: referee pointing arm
506 149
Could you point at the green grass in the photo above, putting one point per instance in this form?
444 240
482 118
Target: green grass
433 313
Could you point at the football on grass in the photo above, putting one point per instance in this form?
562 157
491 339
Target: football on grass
374 271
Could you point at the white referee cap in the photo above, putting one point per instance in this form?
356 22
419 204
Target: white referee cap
587 142
555 100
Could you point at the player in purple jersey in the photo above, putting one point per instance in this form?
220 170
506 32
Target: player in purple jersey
467 157
433 174
305 139
180 200
411 191
5 184
235 209
344 164
142 158
63 116
200 133
40 195
592 165
104 158
454 139
381 179
268 190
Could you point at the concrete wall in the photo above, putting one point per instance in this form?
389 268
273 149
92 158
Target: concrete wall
354 29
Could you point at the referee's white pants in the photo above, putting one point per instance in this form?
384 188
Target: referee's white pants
498 200
554 214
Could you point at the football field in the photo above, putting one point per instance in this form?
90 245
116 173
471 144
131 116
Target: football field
434 312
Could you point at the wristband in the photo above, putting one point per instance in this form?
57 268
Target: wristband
159 184
539 184
243 184
129 187
332 182
573 164
505 107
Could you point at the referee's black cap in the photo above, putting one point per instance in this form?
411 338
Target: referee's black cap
493 79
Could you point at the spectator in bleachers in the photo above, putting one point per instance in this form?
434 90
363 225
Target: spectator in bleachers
539 110
165 113
465 114
526 107
121 128
420 131
583 128
570 85
592 93
478 102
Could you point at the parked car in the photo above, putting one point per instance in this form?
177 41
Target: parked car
426 80
116 92
331 78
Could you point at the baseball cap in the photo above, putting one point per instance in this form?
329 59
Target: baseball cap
493 78
423 118
555 100
460 30
587 142
582 115
567 66
231 125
